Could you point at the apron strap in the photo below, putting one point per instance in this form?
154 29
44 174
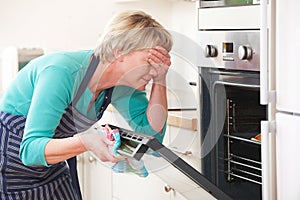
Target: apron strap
90 71
72 162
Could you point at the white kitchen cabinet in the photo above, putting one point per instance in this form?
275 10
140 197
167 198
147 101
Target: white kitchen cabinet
97 179
177 196
186 143
132 187
80 167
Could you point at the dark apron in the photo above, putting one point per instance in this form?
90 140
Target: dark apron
60 181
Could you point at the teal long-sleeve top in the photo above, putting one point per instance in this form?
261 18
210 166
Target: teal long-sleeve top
46 86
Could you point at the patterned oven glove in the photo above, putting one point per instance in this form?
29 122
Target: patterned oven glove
126 165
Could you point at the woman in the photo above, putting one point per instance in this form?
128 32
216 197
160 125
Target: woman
61 94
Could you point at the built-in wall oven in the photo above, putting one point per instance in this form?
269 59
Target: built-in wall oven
230 112
226 3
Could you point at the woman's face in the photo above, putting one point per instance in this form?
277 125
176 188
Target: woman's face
136 70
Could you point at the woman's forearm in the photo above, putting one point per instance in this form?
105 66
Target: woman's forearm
157 110
58 150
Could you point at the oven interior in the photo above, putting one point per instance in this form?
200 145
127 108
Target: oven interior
234 164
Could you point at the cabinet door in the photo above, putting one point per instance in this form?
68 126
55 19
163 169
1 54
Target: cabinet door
132 187
287 61
80 168
177 196
97 179
186 143
287 148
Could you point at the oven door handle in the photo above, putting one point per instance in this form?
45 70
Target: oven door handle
235 84
226 73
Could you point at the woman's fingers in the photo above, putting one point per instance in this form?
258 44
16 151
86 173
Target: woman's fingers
158 71
160 56
162 51
106 153
99 145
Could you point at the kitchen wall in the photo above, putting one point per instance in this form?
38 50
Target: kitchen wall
73 24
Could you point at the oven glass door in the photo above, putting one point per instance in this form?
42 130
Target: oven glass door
238 157
230 121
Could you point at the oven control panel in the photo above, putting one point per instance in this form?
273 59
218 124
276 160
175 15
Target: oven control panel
230 49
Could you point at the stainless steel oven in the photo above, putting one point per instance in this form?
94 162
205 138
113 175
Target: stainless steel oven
230 112
226 3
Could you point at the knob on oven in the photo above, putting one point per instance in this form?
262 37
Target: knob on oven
245 53
211 51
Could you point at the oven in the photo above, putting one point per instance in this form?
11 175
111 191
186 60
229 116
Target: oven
230 112
226 3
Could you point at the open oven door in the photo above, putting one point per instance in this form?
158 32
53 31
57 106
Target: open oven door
177 173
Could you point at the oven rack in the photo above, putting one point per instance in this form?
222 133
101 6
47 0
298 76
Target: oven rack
243 168
240 167
242 139
244 178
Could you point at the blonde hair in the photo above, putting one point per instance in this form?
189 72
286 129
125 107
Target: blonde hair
129 31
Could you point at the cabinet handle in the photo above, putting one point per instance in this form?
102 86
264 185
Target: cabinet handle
193 83
168 188
92 159
185 153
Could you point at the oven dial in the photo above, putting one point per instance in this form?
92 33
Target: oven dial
245 53
211 51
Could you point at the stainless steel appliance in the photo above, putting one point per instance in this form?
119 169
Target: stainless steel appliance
226 3
231 112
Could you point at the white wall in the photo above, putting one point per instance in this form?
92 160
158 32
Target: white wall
65 24
76 24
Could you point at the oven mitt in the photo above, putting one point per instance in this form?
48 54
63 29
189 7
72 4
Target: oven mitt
112 135
126 165
130 165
